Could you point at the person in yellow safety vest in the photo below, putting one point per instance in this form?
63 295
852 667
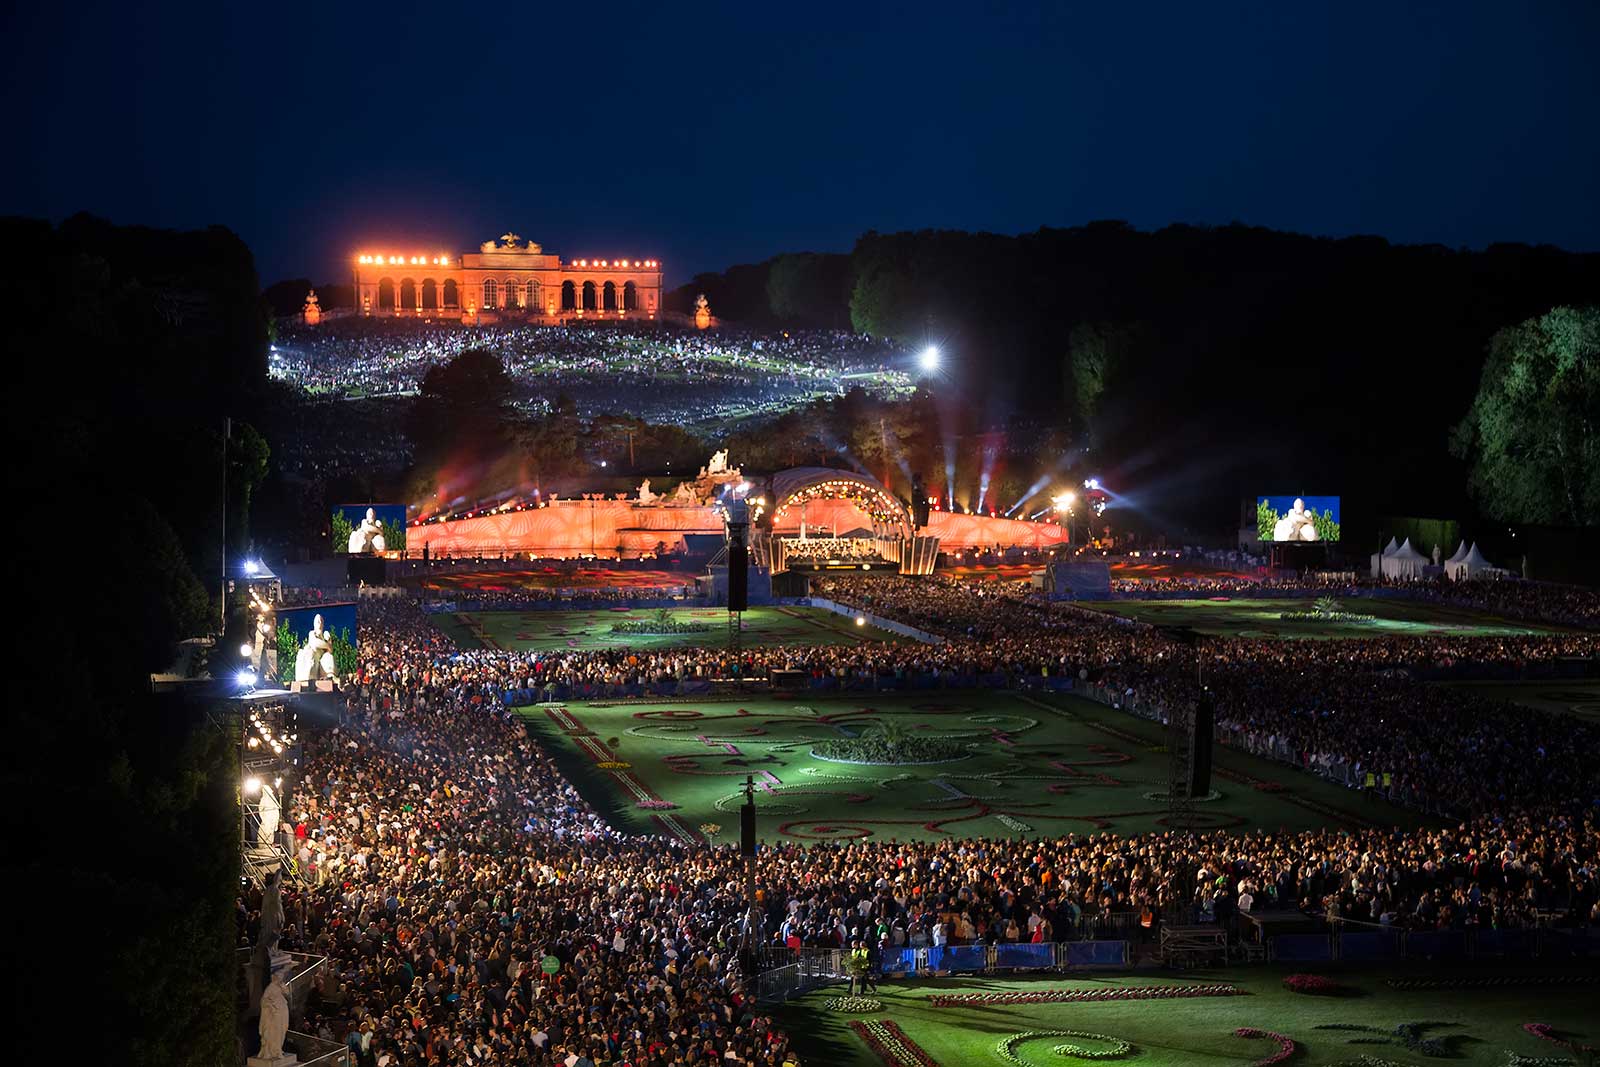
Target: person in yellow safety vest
1368 784
859 967
1388 781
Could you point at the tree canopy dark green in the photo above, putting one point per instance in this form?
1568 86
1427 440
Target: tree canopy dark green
129 348
1532 435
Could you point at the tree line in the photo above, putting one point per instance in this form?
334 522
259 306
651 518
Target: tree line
1206 364
129 346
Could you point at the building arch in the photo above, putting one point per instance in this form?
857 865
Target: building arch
513 294
569 296
408 294
630 297
591 297
491 293
792 489
452 293
533 302
430 294
608 296
386 294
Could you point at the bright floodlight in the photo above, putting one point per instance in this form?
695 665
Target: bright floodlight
246 678
246 649
251 566
1064 501
252 786
928 360
860 621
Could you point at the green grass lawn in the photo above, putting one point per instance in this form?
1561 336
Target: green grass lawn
545 630
1259 618
1031 768
1477 1026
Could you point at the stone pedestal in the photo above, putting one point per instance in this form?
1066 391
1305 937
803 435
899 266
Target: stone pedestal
282 1061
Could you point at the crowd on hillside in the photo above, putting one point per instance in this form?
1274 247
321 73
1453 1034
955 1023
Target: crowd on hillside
659 373
448 857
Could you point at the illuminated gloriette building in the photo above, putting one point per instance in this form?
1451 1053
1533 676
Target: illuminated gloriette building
506 277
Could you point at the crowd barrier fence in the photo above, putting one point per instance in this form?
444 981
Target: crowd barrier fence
789 972
808 968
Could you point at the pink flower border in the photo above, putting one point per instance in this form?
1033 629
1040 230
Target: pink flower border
1286 1045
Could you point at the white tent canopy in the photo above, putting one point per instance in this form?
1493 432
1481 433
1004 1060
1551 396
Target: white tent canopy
1461 553
1378 557
1472 565
1406 562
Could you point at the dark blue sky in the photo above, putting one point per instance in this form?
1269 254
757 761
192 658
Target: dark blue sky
707 135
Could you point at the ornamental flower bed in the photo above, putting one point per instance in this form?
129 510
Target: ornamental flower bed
652 627
876 750
1313 985
890 1044
1006 1049
853 1005
1546 1032
1285 1044
1073 996
657 805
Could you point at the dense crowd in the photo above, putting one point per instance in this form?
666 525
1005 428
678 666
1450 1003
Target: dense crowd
662 374
1510 598
448 856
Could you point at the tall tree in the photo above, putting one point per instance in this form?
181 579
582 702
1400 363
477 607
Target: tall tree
1532 436
1099 352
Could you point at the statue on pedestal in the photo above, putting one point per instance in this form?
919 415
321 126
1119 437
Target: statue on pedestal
1436 555
368 536
314 661
685 495
702 312
312 312
645 495
274 1021
719 462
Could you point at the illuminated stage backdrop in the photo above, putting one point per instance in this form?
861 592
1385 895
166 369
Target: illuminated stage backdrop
609 529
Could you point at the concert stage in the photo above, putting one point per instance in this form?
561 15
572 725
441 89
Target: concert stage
807 501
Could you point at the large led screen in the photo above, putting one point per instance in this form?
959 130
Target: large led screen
369 529
308 652
1297 518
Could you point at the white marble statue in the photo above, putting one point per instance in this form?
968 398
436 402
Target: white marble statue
1436 555
367 537
1296 524
645 495
274 1019
314 661
685 495
719 462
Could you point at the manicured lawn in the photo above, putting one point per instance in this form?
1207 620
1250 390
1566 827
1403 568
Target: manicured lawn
1029 768
524 630
1260 618
1476 1026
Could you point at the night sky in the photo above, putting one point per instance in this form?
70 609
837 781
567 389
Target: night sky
707 135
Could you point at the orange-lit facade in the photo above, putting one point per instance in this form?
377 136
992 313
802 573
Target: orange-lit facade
508 278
